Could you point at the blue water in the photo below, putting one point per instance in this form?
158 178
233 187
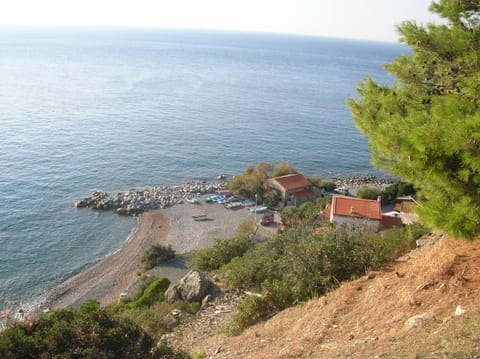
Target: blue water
116 109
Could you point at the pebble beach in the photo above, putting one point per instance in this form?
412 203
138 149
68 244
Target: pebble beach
173 226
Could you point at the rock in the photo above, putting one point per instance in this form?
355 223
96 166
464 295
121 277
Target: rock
122 211
418 320
459 310
193 287
134 202
206 300
172 319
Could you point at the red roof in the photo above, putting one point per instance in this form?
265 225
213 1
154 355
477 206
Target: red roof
389 222
356 207
303 194
292 181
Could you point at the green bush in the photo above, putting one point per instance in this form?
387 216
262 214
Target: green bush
153 294
308 212
300 264
252 310
290 216
328 186
224 250
251 181
271 199
68 333
395 190
89 306
157 254
322 202
369 193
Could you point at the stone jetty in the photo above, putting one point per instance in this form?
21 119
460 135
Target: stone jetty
365 180
134 202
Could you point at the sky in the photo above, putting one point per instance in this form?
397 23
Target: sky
355 19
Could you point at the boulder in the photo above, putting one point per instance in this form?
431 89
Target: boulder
193 287
419 320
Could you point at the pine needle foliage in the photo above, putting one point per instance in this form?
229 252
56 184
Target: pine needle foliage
425 128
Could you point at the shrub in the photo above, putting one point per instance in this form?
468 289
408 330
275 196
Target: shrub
153 294
308 213
68 333
250 182
252 310
89 306
322 202
157 254
397 189
369 193
290 216
271 199
224 250
299 264
328 186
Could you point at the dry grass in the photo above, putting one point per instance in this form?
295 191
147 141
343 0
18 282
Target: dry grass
365 318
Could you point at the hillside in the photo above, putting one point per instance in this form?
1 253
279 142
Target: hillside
369 317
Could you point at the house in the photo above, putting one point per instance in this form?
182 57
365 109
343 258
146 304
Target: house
292 189
353 210
357 211
404 207
405 204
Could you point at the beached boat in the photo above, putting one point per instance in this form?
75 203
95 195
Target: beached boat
233 204
202 219
342 190
258 209
191 199
248 204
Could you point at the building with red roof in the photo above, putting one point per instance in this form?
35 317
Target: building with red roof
356 211
292 189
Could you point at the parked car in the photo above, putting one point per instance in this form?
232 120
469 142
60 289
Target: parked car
267 219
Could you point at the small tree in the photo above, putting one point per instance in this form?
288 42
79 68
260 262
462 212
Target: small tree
251 181
156 255
290 216
368 193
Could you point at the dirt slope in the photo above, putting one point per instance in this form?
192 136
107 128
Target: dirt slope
368 317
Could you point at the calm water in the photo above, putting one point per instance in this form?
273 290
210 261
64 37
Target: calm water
117 109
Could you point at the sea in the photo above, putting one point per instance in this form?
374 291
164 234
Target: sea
116 108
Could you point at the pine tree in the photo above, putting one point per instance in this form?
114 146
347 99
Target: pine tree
425 128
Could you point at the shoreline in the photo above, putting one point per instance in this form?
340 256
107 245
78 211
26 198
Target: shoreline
105 280
117 273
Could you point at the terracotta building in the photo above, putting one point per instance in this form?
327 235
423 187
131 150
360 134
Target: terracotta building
292 189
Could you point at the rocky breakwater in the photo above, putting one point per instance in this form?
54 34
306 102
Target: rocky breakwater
134 202
367 180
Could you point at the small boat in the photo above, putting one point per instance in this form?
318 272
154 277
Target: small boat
201 219
258 209
342 190
191 199
234 204
199 216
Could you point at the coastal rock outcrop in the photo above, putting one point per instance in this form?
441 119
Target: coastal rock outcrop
134 202
193 287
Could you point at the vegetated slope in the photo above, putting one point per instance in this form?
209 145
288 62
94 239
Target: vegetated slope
368 317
